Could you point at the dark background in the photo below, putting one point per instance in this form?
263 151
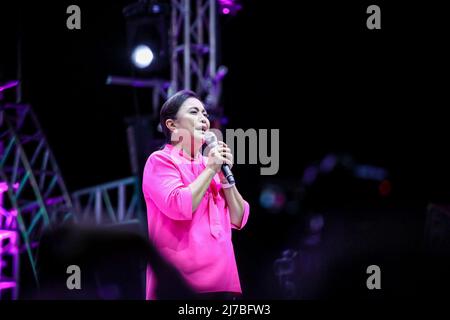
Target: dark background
312 70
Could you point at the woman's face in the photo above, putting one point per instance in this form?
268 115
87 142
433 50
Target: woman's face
193 118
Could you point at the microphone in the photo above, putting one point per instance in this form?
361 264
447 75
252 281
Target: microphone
211 141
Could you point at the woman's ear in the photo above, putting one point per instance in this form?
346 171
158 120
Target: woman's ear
171 125
174 132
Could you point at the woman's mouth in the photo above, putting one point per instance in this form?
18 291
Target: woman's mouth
202 130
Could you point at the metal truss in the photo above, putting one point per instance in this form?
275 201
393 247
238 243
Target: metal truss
112 203
193 43
9 250
35 189
193 62
159 89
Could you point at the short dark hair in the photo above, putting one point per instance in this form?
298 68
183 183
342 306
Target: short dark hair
170 109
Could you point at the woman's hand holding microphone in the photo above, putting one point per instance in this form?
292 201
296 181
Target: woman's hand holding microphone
217 156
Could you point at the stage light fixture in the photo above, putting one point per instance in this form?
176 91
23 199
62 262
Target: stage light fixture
147 24
142 56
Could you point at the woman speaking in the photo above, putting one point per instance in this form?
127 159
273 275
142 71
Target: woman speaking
191 207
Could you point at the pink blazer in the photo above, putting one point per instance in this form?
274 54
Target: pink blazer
197 243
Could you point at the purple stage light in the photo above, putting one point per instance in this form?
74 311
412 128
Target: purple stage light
7 285
229 6
316 223
328 163
310 175
4 186
224 121
8 85
368 172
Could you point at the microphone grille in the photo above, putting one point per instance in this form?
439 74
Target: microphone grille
210 138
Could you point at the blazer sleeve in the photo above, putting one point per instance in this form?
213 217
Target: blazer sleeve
162 183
